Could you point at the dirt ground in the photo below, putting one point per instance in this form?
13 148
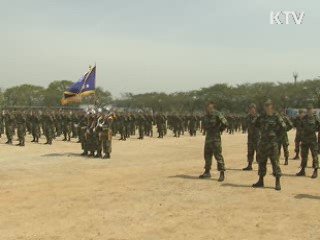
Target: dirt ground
149 190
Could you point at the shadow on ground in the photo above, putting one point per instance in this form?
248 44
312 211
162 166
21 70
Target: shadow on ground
61 155
307 196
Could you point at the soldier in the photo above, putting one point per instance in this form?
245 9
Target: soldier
271 127
161 125
66 126
106 135
98 133
9 126
1 123
83 125
192 125
284 140
214 124
309 126
21 122
35 126
48 125
253 136
141 126
297 141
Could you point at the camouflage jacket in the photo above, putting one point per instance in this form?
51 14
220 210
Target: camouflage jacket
214 124
309 126
272 127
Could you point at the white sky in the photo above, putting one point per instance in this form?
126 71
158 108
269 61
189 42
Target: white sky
156 45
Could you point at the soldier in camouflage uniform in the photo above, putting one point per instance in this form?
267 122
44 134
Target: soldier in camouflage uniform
271 127
35 126
48 126
66 126
192 125
1 123
141 126
21 122
9 126
161 125
284 140
214 124
309 126
106 136
297 123
83 125
253 136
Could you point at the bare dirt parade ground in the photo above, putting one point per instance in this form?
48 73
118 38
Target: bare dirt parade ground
149 190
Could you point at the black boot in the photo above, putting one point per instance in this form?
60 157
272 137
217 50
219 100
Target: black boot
315 173
248 168
221 178
98 155
206 174
278 185
301 173
296 157
106 156
259 184
91 154
85 153
286 161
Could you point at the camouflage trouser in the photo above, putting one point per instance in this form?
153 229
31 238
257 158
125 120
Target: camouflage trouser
213 149
285 147
252 149
82 138
21 132
313 146
35 130
297 142
269 150
106 146
9 132
141 132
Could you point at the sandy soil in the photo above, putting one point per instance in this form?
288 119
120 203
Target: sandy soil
149 190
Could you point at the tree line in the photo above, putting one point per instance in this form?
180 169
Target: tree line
228 98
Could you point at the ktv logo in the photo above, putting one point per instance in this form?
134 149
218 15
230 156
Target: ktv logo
286 17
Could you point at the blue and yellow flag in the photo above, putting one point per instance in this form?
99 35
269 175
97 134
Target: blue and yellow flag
84 87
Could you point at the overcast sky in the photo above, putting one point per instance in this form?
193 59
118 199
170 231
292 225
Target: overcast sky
156 45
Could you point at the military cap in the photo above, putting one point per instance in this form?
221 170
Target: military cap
301 110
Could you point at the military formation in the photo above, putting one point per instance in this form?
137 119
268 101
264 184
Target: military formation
95 129
267 135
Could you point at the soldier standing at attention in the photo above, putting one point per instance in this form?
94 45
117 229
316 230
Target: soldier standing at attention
253 136
284 140
297 141
9 126
271 127
106 135
309 126
21 122
214 124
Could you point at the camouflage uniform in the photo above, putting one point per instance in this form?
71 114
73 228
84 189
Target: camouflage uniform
9 126
310 125
297 123
253 137
48 126
271 128
21 122
35 127
106 136
214 124
284 140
